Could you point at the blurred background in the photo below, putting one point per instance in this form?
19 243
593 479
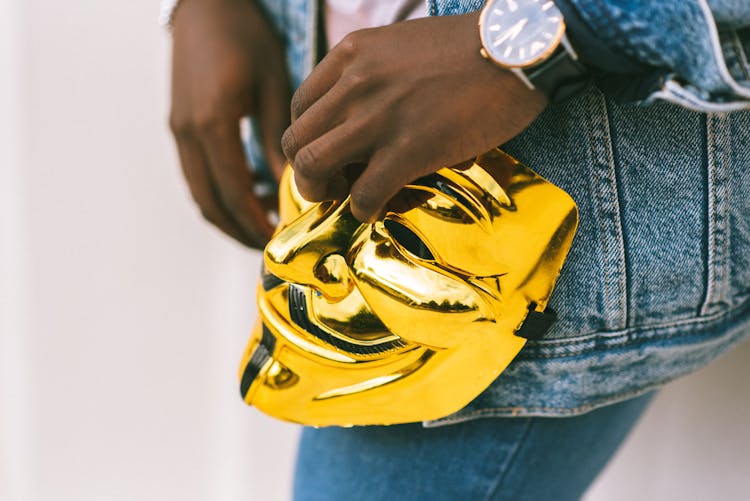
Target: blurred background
123 315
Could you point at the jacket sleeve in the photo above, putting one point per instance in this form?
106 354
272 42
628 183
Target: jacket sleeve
692 52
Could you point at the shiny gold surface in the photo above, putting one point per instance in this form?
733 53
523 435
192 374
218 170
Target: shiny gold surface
411 317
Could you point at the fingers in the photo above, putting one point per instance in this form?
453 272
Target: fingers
196 173
317 120
318 166
384 176
229 170
324 76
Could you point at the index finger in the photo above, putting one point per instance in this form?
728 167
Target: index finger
319 82
378 183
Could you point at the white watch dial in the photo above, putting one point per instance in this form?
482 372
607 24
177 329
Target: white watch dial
520 33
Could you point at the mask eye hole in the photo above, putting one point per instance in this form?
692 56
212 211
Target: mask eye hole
408 240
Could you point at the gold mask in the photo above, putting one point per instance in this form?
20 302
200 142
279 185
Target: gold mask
411 317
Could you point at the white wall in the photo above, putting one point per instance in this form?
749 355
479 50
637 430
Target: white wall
123 316
693 442
13 429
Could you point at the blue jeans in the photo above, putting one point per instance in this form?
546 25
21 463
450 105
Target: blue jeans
531 458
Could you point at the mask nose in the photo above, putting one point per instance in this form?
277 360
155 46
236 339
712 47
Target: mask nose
332 273
311 250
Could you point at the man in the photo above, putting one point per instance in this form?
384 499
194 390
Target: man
655 154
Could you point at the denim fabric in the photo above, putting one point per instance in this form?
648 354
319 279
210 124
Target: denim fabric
678 40
658 279
513 459
657 283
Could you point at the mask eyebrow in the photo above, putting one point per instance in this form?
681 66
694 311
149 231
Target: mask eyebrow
483 185
441 184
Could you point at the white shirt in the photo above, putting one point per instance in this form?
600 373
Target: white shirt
344 16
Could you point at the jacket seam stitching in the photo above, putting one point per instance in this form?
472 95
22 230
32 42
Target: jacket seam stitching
717 228
653 330
607 160
602 230
674 92
616 344
710 216
518 411
618 227
724 203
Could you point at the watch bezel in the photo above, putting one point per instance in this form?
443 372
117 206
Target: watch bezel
541 57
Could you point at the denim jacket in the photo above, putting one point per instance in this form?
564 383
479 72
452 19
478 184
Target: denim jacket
657 283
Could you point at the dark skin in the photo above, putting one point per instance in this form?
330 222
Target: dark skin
400 101
227 64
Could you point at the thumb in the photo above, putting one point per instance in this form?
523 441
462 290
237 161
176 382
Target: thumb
274 118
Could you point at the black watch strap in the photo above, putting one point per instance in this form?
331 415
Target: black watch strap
558 77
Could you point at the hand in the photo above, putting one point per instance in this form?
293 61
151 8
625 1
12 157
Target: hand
227 64
404 101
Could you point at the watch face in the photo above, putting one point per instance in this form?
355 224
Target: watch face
520 33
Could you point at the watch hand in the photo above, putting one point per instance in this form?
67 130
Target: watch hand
512 33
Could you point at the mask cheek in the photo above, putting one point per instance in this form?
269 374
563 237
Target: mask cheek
414 302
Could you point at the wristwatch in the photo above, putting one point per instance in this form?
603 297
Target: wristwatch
528 38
